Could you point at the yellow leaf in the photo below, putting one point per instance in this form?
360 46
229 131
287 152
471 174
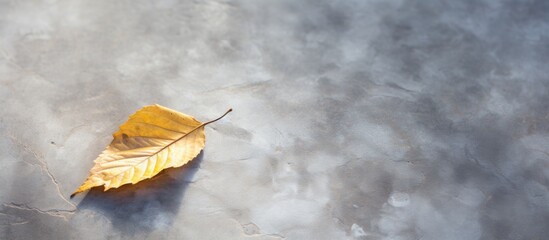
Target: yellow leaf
154 138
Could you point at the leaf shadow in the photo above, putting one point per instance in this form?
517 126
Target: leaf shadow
146 206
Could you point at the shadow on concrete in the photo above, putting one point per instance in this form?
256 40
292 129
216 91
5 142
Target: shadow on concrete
149 205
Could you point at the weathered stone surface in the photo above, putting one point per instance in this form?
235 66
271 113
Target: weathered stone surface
352 119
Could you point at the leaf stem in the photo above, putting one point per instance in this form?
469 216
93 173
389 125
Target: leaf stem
215 120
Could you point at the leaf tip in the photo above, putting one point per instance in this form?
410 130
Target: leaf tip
72 195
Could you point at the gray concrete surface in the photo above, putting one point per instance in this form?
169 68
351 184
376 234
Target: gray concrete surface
369 119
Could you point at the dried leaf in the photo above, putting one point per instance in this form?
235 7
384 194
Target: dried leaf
153 139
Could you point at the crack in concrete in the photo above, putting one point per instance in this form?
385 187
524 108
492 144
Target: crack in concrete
13 62
43 166
62 213
9 59
496 171
15 222
541 151
237 160
240 86
256 231
18 223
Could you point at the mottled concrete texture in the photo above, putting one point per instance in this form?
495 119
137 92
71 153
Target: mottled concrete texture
366 119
